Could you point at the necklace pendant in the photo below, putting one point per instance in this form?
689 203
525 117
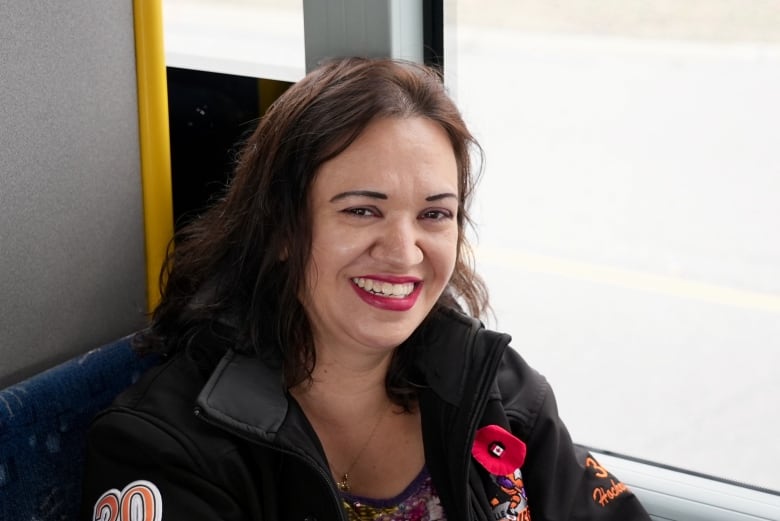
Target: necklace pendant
344 483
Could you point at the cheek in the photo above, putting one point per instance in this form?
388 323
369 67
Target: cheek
344 249
331 252
446 255
331 247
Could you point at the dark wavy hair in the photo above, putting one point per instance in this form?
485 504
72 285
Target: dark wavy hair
237 271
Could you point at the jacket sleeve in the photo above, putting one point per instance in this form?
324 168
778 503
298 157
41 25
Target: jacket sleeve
137 468
562 481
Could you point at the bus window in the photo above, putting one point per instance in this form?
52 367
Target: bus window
628 215
254 38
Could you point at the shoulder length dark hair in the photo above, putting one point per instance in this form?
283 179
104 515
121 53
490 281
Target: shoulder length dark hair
237 271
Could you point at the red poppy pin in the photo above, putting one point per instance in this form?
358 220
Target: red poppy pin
498 450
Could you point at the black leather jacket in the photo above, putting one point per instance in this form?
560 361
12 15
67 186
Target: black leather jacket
233 445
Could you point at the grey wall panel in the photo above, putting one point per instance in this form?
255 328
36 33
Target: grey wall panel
392 28
72 272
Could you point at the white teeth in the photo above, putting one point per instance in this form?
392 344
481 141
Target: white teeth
386 289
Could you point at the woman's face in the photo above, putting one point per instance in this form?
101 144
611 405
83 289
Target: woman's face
384 235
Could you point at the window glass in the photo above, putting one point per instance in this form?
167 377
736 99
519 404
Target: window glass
256 38
629 215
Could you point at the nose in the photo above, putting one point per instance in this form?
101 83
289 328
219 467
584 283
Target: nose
398 245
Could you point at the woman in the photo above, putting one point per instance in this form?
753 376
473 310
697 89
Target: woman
317 361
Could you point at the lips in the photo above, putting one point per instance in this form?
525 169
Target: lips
385 293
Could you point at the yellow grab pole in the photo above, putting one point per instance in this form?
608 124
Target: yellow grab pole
154 140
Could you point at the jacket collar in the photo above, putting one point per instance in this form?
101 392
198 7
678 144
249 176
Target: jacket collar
246 393
444 343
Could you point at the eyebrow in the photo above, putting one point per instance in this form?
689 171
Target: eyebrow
439 197
380 195
359 193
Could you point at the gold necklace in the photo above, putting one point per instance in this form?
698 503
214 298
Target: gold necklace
343 483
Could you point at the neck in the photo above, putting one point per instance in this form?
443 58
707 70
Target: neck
343 387
358 426
348 372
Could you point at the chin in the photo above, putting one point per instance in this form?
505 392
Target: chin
387 342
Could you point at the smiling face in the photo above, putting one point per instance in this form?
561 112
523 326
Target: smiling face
384 235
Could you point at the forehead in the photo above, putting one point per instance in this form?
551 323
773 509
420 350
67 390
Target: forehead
397 155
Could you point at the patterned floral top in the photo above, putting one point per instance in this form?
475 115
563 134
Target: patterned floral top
419 502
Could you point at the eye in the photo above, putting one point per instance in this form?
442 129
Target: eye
361 211
436 214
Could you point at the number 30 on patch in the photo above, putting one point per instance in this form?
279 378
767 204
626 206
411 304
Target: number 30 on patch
138 501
